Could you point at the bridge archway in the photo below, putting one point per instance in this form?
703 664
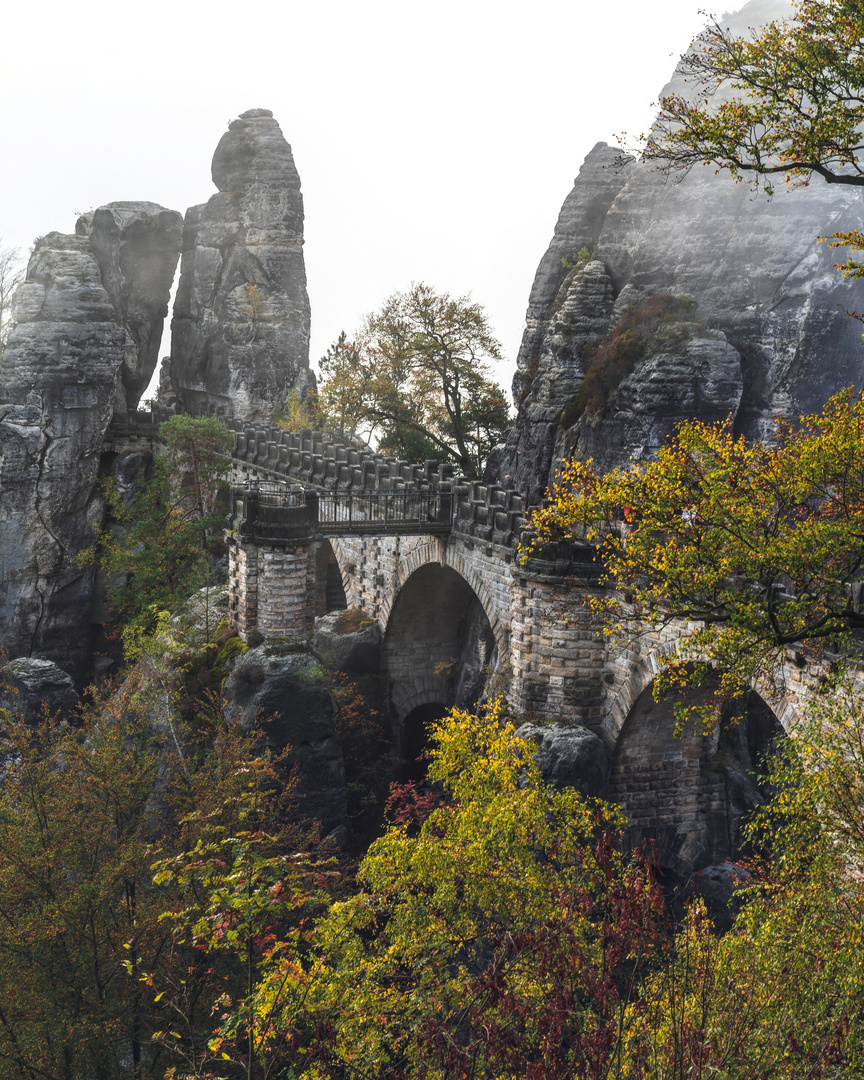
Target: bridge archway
438 645
689 791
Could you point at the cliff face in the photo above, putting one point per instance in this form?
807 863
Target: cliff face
775 338
137 247
89 319
59 380
240 332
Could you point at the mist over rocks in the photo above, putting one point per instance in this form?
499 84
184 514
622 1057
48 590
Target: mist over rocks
137 247
240 331
759 277
59 383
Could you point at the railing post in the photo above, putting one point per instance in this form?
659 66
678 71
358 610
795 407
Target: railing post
251 508
312 510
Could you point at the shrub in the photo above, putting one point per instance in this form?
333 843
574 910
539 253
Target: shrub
642 330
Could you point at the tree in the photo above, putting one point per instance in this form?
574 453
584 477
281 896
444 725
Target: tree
162 553
796 109
417 379
11 276
761 546
76 814
501 938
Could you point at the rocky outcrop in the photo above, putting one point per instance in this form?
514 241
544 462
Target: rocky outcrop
240 332
569 757
574 324
580 222
758 274
700 376
283 690
137 246
59 381
346 647
32 690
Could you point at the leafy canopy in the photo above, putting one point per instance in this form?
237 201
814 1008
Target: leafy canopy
417 379
761 545
501 938
785 101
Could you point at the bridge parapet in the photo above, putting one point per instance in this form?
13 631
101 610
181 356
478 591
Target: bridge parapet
484 512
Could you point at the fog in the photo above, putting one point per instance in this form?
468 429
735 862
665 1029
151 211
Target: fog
435 143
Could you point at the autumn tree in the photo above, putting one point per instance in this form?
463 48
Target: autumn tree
417 380
786 102
760 546
502 937
779 994
76 818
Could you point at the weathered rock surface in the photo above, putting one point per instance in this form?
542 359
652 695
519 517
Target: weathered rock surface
580 222
757 273
137 247
59 381
700 377
569 757
30 689
560 345
240 332
356 652
281 687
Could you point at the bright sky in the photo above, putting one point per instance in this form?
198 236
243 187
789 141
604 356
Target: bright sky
435 142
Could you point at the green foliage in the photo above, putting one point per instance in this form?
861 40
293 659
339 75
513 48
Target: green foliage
299 412
778 996
416 380
161 551
581 258
659 323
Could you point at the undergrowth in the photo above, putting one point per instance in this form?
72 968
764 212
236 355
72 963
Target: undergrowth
644 329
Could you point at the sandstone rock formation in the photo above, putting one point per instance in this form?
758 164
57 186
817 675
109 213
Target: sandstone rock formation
755 269
59 382
569 757
282 688
240 332
31 688
354 651
137 246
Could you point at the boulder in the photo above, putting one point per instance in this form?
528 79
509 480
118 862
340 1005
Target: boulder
137 247
569 757
240 332
59 383
716 887
284 690
32 689
354 651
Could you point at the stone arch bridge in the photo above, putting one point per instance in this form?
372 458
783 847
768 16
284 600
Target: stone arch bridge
432 557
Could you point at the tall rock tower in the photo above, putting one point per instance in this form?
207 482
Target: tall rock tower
240 332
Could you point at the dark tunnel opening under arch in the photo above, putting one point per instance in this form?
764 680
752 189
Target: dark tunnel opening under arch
439 648
689 791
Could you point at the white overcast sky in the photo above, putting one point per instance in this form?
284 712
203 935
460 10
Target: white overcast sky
435 141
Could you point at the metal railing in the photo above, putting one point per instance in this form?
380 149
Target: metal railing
274 510
385 511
